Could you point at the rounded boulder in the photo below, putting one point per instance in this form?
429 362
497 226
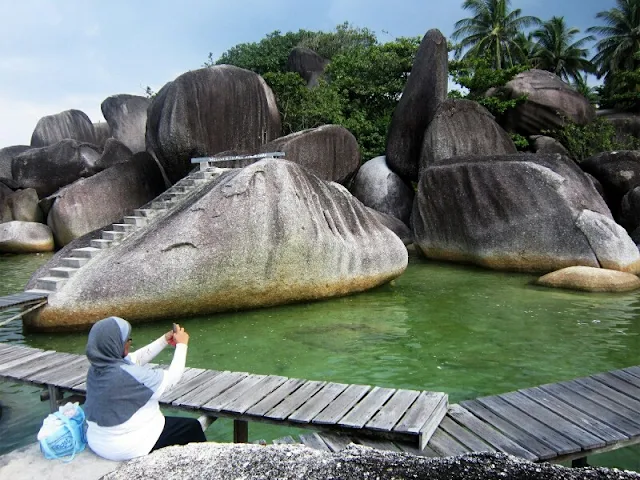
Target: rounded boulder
126 116
25 237
70 124
591 279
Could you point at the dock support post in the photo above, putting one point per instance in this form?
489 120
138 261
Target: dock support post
54 395
240 431
579 462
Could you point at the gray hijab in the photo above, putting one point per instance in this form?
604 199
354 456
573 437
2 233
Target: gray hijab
116 388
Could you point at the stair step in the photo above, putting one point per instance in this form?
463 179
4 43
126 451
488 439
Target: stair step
64 272
50 283
85 252
113 235
160 205
136 221
38 291
202 175
124 227
180 189
146 212
185 183
101 243
74 262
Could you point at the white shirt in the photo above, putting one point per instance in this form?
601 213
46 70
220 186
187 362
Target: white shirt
137 436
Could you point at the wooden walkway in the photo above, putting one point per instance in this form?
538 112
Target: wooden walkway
555 422
402 415
22 299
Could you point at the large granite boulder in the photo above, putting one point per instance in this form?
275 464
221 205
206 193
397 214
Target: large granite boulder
6 158
378 187
5 209
308 64
24 206
425 90
204 461
25 237
617 172
268 234
102 133
114 152
550 103
394 224
104 198
49 168
630 210
207 111
463 127
127 119
331 152
627 126
589 279
528 212
544 144
70 124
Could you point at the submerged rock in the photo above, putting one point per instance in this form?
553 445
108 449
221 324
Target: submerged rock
268 234
200 461
591 279
70 124
25 237
535 213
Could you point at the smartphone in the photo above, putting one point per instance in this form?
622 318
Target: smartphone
175 327
172 342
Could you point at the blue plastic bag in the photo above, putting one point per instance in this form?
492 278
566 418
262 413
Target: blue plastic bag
63 433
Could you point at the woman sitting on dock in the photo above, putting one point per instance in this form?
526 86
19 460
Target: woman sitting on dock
122 410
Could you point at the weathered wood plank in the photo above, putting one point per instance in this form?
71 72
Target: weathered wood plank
515 433
295 400
17 354
341 405
366 408
420 412
620 385
575 416
22 366
275 397
464 436
445 445
626 377
488 433
595 405
318 402
313 440
257 393
218 403
633 370
335 442
606 391
188 384
378 444
214 386
53 375
392 411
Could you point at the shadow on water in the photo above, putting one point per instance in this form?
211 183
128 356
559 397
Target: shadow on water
463 330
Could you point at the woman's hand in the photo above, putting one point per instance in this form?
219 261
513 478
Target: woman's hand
180 336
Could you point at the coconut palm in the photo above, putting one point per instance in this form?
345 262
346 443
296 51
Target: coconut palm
621 38
526 46
492 30
557 52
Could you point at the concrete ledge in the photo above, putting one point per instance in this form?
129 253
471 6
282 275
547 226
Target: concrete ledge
28 463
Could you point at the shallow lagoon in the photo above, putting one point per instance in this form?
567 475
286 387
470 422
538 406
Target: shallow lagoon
462 330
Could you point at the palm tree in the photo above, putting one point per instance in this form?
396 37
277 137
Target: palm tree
621 38
526 46
557 52
492 30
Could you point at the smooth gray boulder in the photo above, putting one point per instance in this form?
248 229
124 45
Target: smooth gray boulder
207 111
308 64
24 206
331 152
425 90
70 124
49 168
102 133
127 119
6 158
528 212
379 188
544 144
268 234
200 461
463 127
626 124
550 103
114 152
5 208
630 210
104 198
394 224
25 237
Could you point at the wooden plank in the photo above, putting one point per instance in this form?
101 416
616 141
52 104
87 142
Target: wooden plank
559 443
335 442
514 432
635 370
619 385
614 395
489 434
21 366
586 440
626 377
52 376
42 364
275 397
217 403
258 393
588 402
443 444
313 440
392 411
420 412
366 408
16 354
295 400
341 405
214 386
464 436
318 402
7 347
378 444
189 385
575 416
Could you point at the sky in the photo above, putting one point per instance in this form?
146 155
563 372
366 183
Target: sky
62 54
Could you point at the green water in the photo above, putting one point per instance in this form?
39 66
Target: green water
465 331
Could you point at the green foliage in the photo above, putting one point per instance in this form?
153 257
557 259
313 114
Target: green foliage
345 37
521 143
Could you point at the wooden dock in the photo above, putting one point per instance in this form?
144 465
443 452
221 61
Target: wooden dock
23 299
555 422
